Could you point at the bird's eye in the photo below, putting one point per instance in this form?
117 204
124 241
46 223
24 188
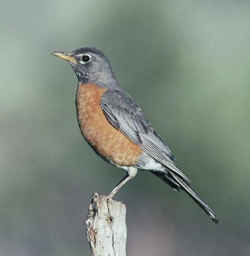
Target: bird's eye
85 58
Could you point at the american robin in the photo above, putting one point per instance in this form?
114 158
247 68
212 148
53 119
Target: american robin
116 127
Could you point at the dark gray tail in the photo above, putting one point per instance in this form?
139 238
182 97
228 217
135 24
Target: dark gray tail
176 182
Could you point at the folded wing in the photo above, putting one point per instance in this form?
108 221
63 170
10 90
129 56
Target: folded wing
124 114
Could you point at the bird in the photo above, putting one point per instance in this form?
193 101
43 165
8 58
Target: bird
115 126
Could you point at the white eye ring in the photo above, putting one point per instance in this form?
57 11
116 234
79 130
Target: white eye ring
85 58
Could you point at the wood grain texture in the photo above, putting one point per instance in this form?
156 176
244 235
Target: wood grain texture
106 227
106 140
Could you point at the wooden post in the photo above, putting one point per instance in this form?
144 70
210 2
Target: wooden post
106 227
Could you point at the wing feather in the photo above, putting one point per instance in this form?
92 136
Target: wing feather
124 114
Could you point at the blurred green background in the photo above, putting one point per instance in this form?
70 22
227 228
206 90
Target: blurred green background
186 63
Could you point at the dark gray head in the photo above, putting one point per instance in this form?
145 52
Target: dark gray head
90 66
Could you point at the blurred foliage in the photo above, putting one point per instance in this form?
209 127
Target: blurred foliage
186 63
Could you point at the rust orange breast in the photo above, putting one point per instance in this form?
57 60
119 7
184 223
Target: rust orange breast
107 141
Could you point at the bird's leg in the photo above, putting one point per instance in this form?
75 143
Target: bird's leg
132 171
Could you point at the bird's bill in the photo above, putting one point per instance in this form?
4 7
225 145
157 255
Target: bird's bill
65 56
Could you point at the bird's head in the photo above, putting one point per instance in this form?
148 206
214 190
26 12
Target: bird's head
90 65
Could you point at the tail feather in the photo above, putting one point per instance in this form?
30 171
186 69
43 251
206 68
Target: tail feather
168 179
178 183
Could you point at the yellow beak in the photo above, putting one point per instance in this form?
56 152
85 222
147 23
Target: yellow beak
65 56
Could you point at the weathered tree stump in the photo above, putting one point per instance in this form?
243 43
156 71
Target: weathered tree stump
106 227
